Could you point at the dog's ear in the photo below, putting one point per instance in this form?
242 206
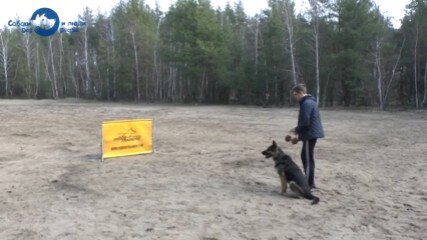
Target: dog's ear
274 143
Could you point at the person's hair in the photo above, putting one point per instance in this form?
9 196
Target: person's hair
300 88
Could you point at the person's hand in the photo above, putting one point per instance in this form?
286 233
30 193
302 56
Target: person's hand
292 131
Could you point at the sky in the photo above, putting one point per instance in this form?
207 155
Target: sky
68 10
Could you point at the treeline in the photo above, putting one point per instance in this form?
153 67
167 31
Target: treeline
345 51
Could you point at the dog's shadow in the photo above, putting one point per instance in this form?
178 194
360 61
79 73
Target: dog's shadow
262 189
252 186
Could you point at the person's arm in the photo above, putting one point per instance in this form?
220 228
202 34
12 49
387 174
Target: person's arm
305 117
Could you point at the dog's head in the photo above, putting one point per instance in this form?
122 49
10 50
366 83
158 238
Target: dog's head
271 151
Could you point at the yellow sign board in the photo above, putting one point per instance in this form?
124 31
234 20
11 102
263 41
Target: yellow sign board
127 137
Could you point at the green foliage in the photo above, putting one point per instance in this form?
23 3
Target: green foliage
193 53
414 29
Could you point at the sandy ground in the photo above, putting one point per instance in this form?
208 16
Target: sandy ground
207 179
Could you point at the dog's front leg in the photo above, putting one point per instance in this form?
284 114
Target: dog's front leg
283 182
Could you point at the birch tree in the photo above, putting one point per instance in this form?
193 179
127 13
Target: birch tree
136 66
414 27
87 17
289 16
111 66
425 86
156 61
61 66
27 43
37 69
378 71
5 37
415 66
393 74
315 15
54 80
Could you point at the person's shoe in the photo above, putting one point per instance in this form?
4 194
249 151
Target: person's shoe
313 186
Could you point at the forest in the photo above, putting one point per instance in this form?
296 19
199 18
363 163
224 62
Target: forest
347 53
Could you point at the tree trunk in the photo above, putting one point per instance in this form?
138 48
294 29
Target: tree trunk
256 47
393 73
27 47
135 51
290 28
379 72
46 65
425 85
315 15
4 40
317 69
61 80
73 75
97 86
415 70
87 70
325 91
54 80
109 73
37 69
156 64
113 53
202 88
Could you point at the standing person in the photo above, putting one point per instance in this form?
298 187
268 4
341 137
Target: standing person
309 129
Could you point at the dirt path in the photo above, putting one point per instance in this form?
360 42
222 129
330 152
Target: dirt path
207 178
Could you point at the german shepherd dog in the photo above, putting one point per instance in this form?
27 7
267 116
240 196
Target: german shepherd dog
289 172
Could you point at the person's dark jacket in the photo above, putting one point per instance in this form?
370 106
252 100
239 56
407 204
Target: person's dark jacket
309 123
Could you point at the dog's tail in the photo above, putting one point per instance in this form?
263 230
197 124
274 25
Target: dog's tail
315 200
310 196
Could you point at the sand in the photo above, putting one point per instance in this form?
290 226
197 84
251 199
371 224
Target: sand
207 178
